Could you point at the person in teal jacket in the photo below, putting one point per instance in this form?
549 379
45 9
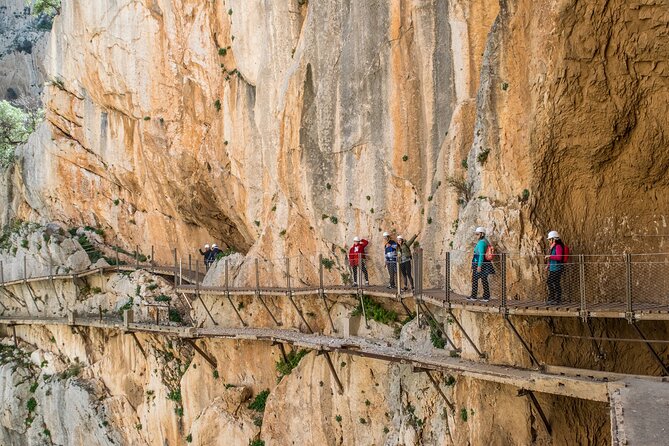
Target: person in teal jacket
481 268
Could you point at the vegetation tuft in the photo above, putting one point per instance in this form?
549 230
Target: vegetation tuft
259 402
375 311
285 367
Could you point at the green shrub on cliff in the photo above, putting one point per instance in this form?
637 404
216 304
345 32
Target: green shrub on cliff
48 7
16 125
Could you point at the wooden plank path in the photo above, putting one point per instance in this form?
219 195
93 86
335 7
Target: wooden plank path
588 385
437 297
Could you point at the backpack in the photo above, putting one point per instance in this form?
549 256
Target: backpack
489 255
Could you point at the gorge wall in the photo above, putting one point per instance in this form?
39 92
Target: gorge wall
286 127
182 122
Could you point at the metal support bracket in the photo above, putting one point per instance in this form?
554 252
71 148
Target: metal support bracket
289 293
282 349
264 304
299 312
227 295
481 355
630 317
199 297
522 341
361 298
139 345
259 296
652 351
435 384
205 355
537 407
16 340
409 313
340 386
429 313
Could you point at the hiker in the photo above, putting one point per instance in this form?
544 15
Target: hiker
215 250
357 257
390 252
555 267
206 255
481 267
404 247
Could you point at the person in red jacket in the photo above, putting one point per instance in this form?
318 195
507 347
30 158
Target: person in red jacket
356 257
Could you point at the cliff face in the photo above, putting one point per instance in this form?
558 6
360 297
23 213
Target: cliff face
285 128
23 41
177 122
181 122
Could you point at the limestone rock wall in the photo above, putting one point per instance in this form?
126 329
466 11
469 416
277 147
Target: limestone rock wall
287 127
23 42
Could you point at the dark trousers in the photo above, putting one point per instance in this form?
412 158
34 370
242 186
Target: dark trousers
363 268
483 275
392 272
405 270
554 286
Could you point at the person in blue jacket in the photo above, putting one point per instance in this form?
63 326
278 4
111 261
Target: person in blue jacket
480 267
390 253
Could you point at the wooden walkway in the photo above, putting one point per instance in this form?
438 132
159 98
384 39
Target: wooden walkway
189 282
562 381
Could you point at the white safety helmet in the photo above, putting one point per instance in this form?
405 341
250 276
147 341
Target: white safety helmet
214 245
399 237
553 234
386 234
206 246
480 230
356 239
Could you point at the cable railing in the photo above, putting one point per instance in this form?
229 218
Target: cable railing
585 283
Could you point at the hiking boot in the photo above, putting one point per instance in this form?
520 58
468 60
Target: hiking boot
390 287
471 298
485 299
405 289
366 282
355 283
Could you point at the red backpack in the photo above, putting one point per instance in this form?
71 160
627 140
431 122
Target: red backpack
489 255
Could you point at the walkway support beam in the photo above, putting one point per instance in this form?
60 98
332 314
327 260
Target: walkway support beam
537 407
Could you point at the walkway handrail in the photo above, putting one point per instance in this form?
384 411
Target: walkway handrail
638 283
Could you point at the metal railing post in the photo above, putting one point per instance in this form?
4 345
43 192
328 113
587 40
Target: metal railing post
447 279
136 257
175 268
581 286
197 278
320 274
629 314
118 263
397 273
25 269
227 285
181 272
288 276
257 277
190 263
2 273
152 263
503 307
358 271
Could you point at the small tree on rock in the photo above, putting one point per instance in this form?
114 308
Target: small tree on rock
47 7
